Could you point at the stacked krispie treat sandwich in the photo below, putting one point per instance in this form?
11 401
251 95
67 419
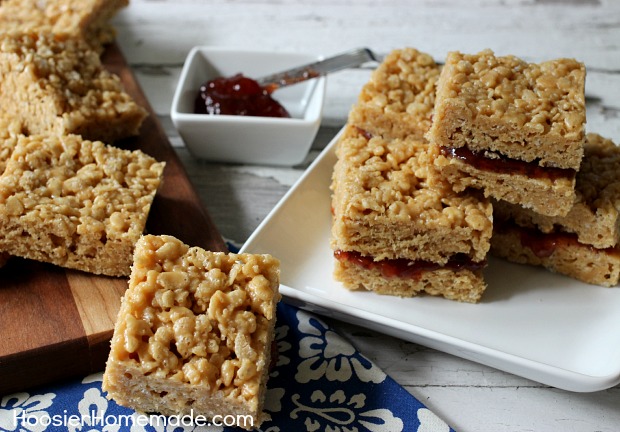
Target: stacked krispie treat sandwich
67 195
421 141
511 128
584 243
398 227
516 131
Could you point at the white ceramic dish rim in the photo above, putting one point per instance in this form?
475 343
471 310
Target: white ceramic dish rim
541 371
316 85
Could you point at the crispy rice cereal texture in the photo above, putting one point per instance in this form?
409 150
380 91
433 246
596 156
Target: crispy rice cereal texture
74 203
398 100
390 204
9 133
194 332
524 111
89 19
502 108
595 215
10 130
57 84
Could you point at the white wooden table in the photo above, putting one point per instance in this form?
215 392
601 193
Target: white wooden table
156 35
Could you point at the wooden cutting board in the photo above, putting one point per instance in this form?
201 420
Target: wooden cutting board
57 323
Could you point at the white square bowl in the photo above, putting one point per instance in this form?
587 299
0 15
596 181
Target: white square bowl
248 139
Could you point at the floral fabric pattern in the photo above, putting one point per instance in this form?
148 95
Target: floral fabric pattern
320 383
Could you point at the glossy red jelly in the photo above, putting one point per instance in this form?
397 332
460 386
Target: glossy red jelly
505 165
543 245
404 268
237 95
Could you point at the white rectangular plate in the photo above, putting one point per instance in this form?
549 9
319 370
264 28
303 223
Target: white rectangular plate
530 322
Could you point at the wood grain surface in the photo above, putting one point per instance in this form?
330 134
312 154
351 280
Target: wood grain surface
57 323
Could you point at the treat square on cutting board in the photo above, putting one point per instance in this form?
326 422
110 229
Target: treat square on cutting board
87 19
75 203
194 332
57 84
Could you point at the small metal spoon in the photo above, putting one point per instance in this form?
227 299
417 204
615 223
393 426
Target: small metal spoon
345 60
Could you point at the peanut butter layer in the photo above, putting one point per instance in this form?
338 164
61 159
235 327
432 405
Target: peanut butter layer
398 100
505 106
544 195
194 332
75 203
57 84
558 252
88 19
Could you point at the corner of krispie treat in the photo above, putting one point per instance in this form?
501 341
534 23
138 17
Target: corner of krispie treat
10 130
76 203
399 98
88 19
194 332
57 84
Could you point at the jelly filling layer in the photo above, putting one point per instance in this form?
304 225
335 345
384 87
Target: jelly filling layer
505 165
543 245
405 268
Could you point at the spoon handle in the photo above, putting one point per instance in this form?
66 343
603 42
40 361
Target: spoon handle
345 60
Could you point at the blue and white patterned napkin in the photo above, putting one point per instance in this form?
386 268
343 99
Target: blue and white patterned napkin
320 383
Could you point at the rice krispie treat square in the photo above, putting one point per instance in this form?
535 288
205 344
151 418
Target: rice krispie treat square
511 128
89 19
398 228
74 203
584 243
398 100
57 84
194 332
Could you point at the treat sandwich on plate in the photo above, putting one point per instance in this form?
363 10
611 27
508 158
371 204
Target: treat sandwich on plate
194 333
398 227
584 243
421 141
398 100
513 129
